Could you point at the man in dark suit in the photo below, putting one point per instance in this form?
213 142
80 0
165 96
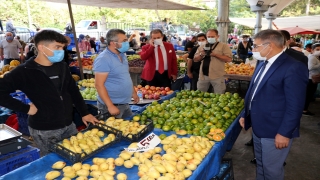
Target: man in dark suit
274 103
299 56
160 68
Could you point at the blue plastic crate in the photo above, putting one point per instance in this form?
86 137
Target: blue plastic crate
14 160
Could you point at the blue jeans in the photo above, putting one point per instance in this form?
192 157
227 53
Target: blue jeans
269 159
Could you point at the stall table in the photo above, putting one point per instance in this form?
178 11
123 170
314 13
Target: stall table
208 168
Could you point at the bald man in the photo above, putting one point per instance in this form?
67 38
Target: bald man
9 49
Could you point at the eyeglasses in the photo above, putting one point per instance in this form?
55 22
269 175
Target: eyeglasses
256 46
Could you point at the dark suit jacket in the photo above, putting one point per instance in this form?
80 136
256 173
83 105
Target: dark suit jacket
299 56
278 103
148 55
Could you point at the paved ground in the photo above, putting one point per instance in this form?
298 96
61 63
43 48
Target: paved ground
303 162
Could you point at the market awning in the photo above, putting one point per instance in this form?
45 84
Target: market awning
133 4
308 22
299 30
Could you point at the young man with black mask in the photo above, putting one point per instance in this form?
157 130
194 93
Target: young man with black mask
47 82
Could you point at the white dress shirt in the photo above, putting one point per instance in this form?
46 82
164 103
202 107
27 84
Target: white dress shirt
164 55
270 62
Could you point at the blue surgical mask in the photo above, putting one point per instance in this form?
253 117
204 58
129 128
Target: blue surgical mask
124 47
57 55
211 40
9 38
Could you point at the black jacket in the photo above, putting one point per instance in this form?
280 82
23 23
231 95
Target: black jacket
54 108
299 56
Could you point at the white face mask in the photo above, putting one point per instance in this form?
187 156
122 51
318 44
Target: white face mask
157 42
202 43
212 40
258 56
316 53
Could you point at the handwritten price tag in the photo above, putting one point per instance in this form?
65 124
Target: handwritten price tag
147 143
182 64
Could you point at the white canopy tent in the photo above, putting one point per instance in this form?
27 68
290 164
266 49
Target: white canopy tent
133 4
308 22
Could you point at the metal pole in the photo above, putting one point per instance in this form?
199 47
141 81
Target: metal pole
223 20
29 16
258 22
75 39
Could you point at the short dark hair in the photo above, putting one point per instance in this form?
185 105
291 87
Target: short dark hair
271 35
201 35
156 31
309 45
18 37
112 35
214 30
49 36
315 45
285 34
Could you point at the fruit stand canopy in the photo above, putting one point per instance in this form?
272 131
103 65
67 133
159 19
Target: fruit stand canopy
307 22
133 4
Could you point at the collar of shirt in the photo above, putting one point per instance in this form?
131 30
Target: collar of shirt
161 45
272 59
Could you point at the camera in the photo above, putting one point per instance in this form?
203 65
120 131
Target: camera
207 49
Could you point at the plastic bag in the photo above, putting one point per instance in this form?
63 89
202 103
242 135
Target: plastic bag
1 64
252 62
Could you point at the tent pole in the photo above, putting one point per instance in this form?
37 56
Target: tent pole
75 39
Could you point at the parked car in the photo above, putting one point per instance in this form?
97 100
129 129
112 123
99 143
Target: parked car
25 33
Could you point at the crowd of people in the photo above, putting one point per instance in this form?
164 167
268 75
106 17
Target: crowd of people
281 89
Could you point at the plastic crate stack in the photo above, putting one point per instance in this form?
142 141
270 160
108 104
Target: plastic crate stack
14 160
22 117
72 43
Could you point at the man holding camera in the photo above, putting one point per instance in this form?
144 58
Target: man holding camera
213 56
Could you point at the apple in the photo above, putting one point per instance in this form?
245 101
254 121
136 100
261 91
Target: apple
150 96
161 88
157 88
157 93
146 96
156 96
167 89
149 92
144 91
147 87
153 88
163 92
139 86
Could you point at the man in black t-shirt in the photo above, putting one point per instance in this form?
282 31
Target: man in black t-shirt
143 39
190 44
194 67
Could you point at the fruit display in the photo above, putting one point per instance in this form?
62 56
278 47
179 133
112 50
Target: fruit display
87 62
101 169
7 68
152 92
133 57
87 83
195 112
136 63
129 129
86 142
182 65
177 158
14 63
240 69
89 94
75 77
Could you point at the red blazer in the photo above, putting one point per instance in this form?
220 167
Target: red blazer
149 68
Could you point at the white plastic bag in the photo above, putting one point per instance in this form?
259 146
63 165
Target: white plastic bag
1 64
252 62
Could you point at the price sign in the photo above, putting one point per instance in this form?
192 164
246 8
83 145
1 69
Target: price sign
182 64
147 143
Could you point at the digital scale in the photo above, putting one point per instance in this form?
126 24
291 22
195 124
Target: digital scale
11 140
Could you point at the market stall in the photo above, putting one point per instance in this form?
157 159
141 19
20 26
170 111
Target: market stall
208 168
